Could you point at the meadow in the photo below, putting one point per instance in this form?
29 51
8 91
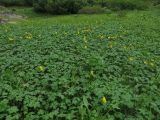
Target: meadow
81 67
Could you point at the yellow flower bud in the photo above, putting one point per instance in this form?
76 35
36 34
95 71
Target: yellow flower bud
152 64
131 58
125 47
41 68
10 39
103 100
110 46
92 73
85 47
145 62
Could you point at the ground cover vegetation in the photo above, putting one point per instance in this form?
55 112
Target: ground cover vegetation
80 67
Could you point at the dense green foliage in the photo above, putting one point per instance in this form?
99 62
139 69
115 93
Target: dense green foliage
126 4
16 2
58 6
73 6
60 68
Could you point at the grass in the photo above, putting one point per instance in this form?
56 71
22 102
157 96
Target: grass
84 67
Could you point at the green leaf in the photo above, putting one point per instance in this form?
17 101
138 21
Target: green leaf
85 102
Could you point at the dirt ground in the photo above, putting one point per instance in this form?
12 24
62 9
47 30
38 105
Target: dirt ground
8 16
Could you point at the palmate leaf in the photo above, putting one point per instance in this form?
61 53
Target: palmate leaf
85 102
13 109
3 105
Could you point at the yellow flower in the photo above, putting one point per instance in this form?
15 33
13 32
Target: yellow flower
110 46
131 58
85 39
92 73
111 37
87 30
103 100
85 47
41 68
10 39
145 62
125 47
28 36
101 37
152 64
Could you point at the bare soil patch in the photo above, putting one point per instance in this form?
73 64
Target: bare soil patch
8 16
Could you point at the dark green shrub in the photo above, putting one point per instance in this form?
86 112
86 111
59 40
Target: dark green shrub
11 2
125 4
90 2
156 2
58 6
29 2
73 6
39 5
16 2
92 10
